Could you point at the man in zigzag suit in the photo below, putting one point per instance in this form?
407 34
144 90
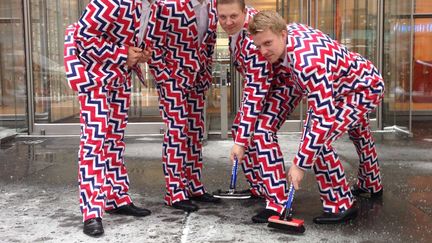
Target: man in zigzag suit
101 50
184 37
342 88
265 107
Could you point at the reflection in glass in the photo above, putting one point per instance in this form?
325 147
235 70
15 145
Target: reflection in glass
13 96
422 62
55 102
396 63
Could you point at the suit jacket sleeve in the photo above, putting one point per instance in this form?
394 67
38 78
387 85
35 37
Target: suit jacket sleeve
257 84
98 17
206 72
157 30
321 116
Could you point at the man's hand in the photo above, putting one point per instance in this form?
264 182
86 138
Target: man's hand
295 176
237 151
146 55
134 54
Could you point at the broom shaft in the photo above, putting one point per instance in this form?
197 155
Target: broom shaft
289 202
234 175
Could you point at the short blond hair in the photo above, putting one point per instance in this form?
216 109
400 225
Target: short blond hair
265 20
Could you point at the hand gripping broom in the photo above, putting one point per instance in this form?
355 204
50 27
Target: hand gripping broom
232 193
286 222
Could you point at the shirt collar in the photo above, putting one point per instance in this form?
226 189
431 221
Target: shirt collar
285 62
196 3
147 3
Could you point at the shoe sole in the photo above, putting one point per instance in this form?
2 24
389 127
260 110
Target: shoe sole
127 214
186 210
346 219
93 234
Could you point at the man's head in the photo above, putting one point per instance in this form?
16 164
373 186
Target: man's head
231 15
268 30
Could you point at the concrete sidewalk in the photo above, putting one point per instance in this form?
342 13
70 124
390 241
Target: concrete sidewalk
39 196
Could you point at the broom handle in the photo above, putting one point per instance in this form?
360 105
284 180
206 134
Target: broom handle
234 175
289 202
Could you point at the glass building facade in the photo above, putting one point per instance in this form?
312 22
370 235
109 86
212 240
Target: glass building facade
35 97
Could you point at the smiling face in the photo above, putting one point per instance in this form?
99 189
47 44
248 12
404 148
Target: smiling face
231 17
271 45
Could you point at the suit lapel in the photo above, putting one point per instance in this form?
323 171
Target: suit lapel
212 24
192 16
137 11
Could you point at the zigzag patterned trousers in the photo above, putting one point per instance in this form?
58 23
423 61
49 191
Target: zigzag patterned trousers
102 175
352 117
182 111
263 164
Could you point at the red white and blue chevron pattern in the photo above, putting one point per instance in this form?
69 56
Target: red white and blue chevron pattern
265 107
182 147
96 46
368 176
103 179
342 88
95 60
182 69
174 37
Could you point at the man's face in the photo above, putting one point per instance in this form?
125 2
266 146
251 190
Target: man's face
272 46
231 17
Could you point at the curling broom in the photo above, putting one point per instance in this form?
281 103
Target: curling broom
286 222
232 193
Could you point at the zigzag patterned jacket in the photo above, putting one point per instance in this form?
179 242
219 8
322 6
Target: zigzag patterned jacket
328 74
95 52
175 43
255 71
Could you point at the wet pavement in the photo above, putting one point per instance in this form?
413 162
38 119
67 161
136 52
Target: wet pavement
39 196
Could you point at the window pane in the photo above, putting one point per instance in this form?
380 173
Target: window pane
423 6
422 73
396 63
13 97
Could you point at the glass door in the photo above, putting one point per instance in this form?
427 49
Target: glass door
13 86
398 43
223 95
422 76
422 69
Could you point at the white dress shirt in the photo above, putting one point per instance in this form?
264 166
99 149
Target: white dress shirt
145 15
201 12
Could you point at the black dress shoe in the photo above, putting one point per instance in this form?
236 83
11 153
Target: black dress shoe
206 197
336 218
185 205
131 210
358 192
264 215
252 196
93 227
